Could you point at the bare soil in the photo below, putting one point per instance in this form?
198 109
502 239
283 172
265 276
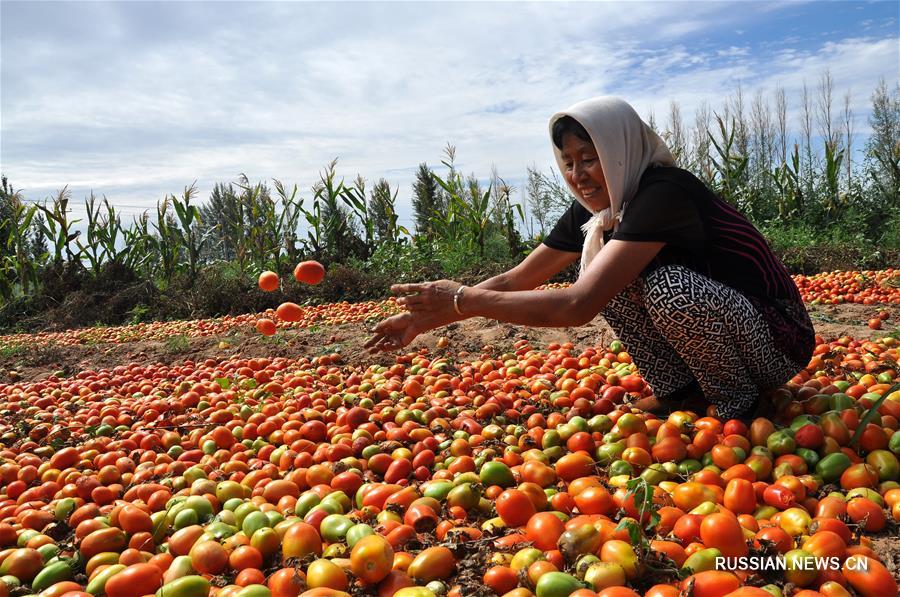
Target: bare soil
33 362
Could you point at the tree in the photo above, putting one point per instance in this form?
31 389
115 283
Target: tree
539 200
216 214
9 198
676 136
381 206
882 162
427 200
700 143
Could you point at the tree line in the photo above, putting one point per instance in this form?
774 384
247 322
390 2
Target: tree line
744 149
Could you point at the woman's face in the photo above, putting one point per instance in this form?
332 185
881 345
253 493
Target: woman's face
584 173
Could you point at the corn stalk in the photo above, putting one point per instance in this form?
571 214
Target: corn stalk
730 165
834 156
787 180
17 265
355 198
473 214
165 241
187 232
286 227
58 228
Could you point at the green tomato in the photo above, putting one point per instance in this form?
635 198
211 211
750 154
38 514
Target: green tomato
832 466
496 473
557 584
334 527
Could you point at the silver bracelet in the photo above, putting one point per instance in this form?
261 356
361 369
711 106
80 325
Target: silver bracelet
456 298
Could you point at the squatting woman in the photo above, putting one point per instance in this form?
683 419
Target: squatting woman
684 280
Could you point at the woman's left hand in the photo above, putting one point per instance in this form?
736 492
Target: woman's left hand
435 298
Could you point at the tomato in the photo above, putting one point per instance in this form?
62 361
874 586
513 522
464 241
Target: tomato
326 574
739 496
209 557
186 586
885 464
711 583
434 563
572 466
832 466
300 540
137 579
22 563
689 495
557 584
825 544
544 529
866 512
868 576
580 540
496 473
309 272
500 579
102 540
621 553
594 500
799 568
289 312
287 582
859 475
372 558
601 575
514 507
268 281
723 532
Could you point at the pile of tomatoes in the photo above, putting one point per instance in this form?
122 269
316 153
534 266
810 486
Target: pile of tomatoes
519 473
865 287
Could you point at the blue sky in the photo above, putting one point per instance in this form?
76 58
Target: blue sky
136 100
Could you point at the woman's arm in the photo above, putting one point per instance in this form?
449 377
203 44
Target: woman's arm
540 265
399 330
614 268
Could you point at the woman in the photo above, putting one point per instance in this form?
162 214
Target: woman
685 281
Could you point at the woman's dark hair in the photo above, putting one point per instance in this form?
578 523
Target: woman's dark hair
565 126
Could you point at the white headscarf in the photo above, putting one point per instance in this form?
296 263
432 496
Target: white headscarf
626 146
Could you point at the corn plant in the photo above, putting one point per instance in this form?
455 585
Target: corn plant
286 228
330 232
165 241
58 228
788 187
473 214
730 165
355 198
18 268
103 233
137 253
187 234
834 155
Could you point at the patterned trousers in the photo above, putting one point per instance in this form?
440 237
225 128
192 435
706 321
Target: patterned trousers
682 328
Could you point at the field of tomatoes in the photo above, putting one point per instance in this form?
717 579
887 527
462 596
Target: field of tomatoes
523 473
865 287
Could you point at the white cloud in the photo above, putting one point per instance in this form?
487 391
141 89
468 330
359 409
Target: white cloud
139 100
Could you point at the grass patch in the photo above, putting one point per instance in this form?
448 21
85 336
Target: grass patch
11 351
177 344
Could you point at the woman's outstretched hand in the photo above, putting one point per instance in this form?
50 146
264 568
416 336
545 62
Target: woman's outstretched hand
429 304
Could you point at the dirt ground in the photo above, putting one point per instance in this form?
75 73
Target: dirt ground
31 363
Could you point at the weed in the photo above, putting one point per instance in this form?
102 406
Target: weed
177 344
